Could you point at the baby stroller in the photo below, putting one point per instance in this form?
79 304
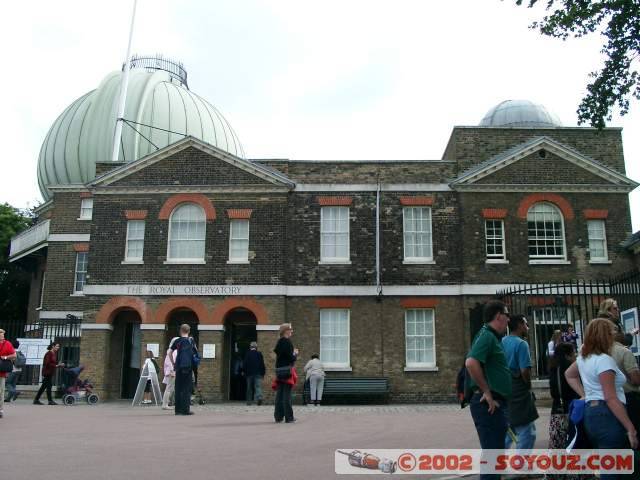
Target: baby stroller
76 389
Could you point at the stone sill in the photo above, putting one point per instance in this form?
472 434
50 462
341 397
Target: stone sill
184 262
84 219
496 262
549 262
77 294
421 369
600 262
337 262
238 262
337 369
132 262
418 262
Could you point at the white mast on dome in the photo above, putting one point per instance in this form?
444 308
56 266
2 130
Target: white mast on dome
123 91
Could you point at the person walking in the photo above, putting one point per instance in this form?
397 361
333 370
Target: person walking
286 356
7 353
49 365
12 379
182 366
490 379
521 405
596 378
314 374
169 378
254 371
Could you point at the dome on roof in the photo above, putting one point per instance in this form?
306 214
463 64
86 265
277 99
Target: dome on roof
519 113
156 97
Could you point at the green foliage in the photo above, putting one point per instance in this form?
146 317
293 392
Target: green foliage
618 21
14 282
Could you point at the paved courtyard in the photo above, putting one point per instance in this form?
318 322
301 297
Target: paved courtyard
221 441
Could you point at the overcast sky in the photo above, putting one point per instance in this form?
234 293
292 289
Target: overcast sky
337 79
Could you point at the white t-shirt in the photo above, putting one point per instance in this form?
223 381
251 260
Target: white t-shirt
551 348
594 365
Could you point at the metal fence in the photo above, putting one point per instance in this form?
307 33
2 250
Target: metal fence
555 307
65 331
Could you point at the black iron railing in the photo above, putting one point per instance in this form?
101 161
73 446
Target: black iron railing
158 62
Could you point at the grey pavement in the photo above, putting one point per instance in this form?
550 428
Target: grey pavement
220 442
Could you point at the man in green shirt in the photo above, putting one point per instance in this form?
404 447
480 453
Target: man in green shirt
490 379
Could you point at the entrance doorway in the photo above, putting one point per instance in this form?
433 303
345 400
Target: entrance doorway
122 379
240 331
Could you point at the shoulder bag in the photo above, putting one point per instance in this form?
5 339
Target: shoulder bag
6 366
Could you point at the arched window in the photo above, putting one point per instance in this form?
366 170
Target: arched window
187 228
546 232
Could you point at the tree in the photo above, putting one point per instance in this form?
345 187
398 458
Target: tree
619 23
14 281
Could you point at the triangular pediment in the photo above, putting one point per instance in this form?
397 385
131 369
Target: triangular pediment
192 163
543 163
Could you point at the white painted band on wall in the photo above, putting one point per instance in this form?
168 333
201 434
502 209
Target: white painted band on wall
54 315
153 326
267 328
372 187
96 326
68 237
211 328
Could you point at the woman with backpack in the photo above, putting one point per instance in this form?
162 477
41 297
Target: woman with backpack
14 376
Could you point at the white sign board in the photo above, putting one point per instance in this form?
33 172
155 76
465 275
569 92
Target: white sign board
208 350
154 348
629 320
34 349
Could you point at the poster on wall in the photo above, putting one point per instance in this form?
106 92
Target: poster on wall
34 349
629 319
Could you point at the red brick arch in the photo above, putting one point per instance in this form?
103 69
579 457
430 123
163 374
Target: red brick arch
558 200
175 200
115 305
164 310
250 303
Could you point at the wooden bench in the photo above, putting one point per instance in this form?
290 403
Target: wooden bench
352 387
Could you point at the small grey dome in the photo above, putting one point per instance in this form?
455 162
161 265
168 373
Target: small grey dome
519 113
83 134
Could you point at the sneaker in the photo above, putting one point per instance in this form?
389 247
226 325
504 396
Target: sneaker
16 395
52 403
37 402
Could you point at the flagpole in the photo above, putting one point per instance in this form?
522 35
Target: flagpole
123 91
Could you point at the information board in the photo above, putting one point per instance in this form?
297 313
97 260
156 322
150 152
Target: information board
34 349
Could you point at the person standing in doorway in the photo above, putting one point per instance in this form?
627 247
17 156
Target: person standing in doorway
254 371
49 365
314 374
522 407
286 356
7 352
182 365
490 379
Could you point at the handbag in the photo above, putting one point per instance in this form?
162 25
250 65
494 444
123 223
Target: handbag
283 373
6 366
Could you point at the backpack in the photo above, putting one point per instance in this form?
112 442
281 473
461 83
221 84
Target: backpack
20 360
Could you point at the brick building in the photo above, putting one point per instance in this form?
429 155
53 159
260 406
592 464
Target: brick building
377 264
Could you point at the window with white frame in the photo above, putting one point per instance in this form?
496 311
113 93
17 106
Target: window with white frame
418 242
82 261
334 234
597 241
545 227
135 241
494 235
334 337
187 228
86 209
239 241
420 337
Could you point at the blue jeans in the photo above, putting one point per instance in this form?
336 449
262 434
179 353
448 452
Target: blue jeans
604 430
254 383
526 436
491 428
12 380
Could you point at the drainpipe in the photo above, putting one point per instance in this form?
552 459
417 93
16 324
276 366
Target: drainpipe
378 285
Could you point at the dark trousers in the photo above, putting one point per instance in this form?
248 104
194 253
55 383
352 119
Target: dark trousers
604 430
183 391
283 403
46 383
491 428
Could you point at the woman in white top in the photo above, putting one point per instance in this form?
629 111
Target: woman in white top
555 340
315 374
596 378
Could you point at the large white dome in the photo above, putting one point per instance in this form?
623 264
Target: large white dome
519 113
83 134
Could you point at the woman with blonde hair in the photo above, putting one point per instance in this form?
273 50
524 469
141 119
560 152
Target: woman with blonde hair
596 378
286 356
555 340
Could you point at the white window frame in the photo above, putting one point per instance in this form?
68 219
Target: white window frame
128 258
406 235
342 232
492 257
82 264
544 258
234 238
328 365
186 260
425 311
602 239
86 209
